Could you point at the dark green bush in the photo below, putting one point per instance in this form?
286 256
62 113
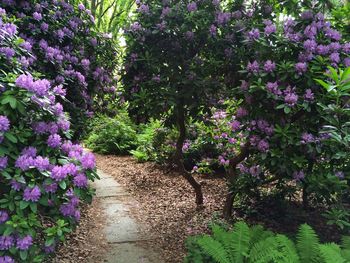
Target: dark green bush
112 135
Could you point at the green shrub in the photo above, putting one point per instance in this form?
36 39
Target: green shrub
112 135
145 149
254 244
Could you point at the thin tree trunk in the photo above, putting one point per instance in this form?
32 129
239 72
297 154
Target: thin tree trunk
178 158
231 177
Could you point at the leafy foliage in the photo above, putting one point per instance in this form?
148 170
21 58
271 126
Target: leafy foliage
112 135
246 244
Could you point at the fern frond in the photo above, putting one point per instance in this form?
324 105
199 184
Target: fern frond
265 251
346 254
214 249
258 233
331 253
345 242
287 248
307 244
220 234
239 242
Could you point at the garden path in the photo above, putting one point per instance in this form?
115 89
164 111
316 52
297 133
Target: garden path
125 236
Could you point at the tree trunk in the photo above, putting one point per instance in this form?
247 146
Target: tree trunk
230 198
178 158
231 177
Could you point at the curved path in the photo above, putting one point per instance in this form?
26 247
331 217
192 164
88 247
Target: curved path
124 235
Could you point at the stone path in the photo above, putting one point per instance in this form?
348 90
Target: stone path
123 233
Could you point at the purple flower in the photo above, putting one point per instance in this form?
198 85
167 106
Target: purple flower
332 34
307 15
263 146
144 9
54 141
339 174
235 125
7 52
29 151
4 124
241 112
309 95
4 216
191 7
166 11
307 138
59 173
6 242
322 50
37 16
189 35
24 243
32 194
291 98
15 185
269 29
24 162
347 62
41 163
80 181
254 34
301 67
346 48
298 176
6 259
44 27
310 45
81 7
273 88
253 67
255 170
213 30
334 57
269 66
50 187
88 161
3 162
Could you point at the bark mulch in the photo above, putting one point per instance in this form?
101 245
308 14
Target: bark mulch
87 243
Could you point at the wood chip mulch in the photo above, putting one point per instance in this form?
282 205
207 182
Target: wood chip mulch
166 202
87 242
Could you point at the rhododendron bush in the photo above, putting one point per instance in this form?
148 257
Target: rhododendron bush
68 51
44 177
175 63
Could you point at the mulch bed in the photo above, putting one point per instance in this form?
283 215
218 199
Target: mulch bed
167 203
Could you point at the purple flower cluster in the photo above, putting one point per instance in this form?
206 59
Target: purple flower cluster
32 194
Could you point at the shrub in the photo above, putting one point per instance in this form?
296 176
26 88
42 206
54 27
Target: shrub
145 150
254 244
112 135
67 51
43 176
173 65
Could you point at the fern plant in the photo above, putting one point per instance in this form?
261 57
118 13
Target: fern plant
246 244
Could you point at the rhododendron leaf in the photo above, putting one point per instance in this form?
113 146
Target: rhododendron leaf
23 204
11 137
63 185
34 207
23 254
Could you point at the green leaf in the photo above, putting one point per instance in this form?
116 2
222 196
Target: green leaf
63 185
23 204
23 254
33 207
11 137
